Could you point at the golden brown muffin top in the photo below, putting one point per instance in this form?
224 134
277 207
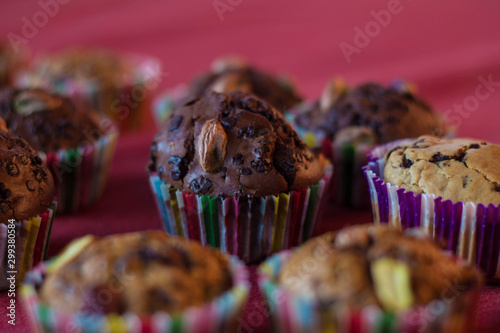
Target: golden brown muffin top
373 265
142 272
455 169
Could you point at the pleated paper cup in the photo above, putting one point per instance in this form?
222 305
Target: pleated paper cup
219 315
293 313
471 231
31 241
250 228
80 174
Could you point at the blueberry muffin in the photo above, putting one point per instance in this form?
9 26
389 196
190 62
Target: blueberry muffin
26 186
141 273
230 74
49 122
389 112
454 169
374 266
232 145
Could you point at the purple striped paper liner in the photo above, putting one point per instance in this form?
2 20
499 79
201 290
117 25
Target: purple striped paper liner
80 174
471 231
219 315
292 313
251 228
31 243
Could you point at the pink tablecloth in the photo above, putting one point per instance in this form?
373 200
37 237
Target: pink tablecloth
449 49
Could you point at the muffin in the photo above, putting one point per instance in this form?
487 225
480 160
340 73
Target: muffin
76 143
134 278
369 276
347 123
26 208
228 169
448 186
115 85
226 75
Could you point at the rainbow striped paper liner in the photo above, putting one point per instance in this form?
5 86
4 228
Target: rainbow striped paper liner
292 313
124 102
471 231
80 175
251 228
165 104
219 315
31 245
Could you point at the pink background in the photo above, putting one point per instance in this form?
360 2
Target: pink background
441 46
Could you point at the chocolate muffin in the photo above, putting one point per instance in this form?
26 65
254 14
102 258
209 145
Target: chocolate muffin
26 185
234 74
454 169
374 266
390 113
141 273
49 122
232 145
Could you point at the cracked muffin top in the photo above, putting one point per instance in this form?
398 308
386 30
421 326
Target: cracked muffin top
232 145
375 265
26 185
142 272
390 113
48 122
455 169
229 74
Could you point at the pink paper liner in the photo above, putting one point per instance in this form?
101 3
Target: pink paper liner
292 313
219 315
31 243
80 175
250 228
471 231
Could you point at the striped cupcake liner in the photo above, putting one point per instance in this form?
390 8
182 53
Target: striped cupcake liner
251 228
292 313
471 231
219 315
31 241
80 175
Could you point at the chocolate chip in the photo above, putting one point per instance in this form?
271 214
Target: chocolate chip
176 173
201 185
437 157
24 159
37 160
228 122
245 171
38 175
175 160
6 193
406 162
12 169
262 166
30 185
497 187
262 150
223 172
175 123
237 159
474 146
4 207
